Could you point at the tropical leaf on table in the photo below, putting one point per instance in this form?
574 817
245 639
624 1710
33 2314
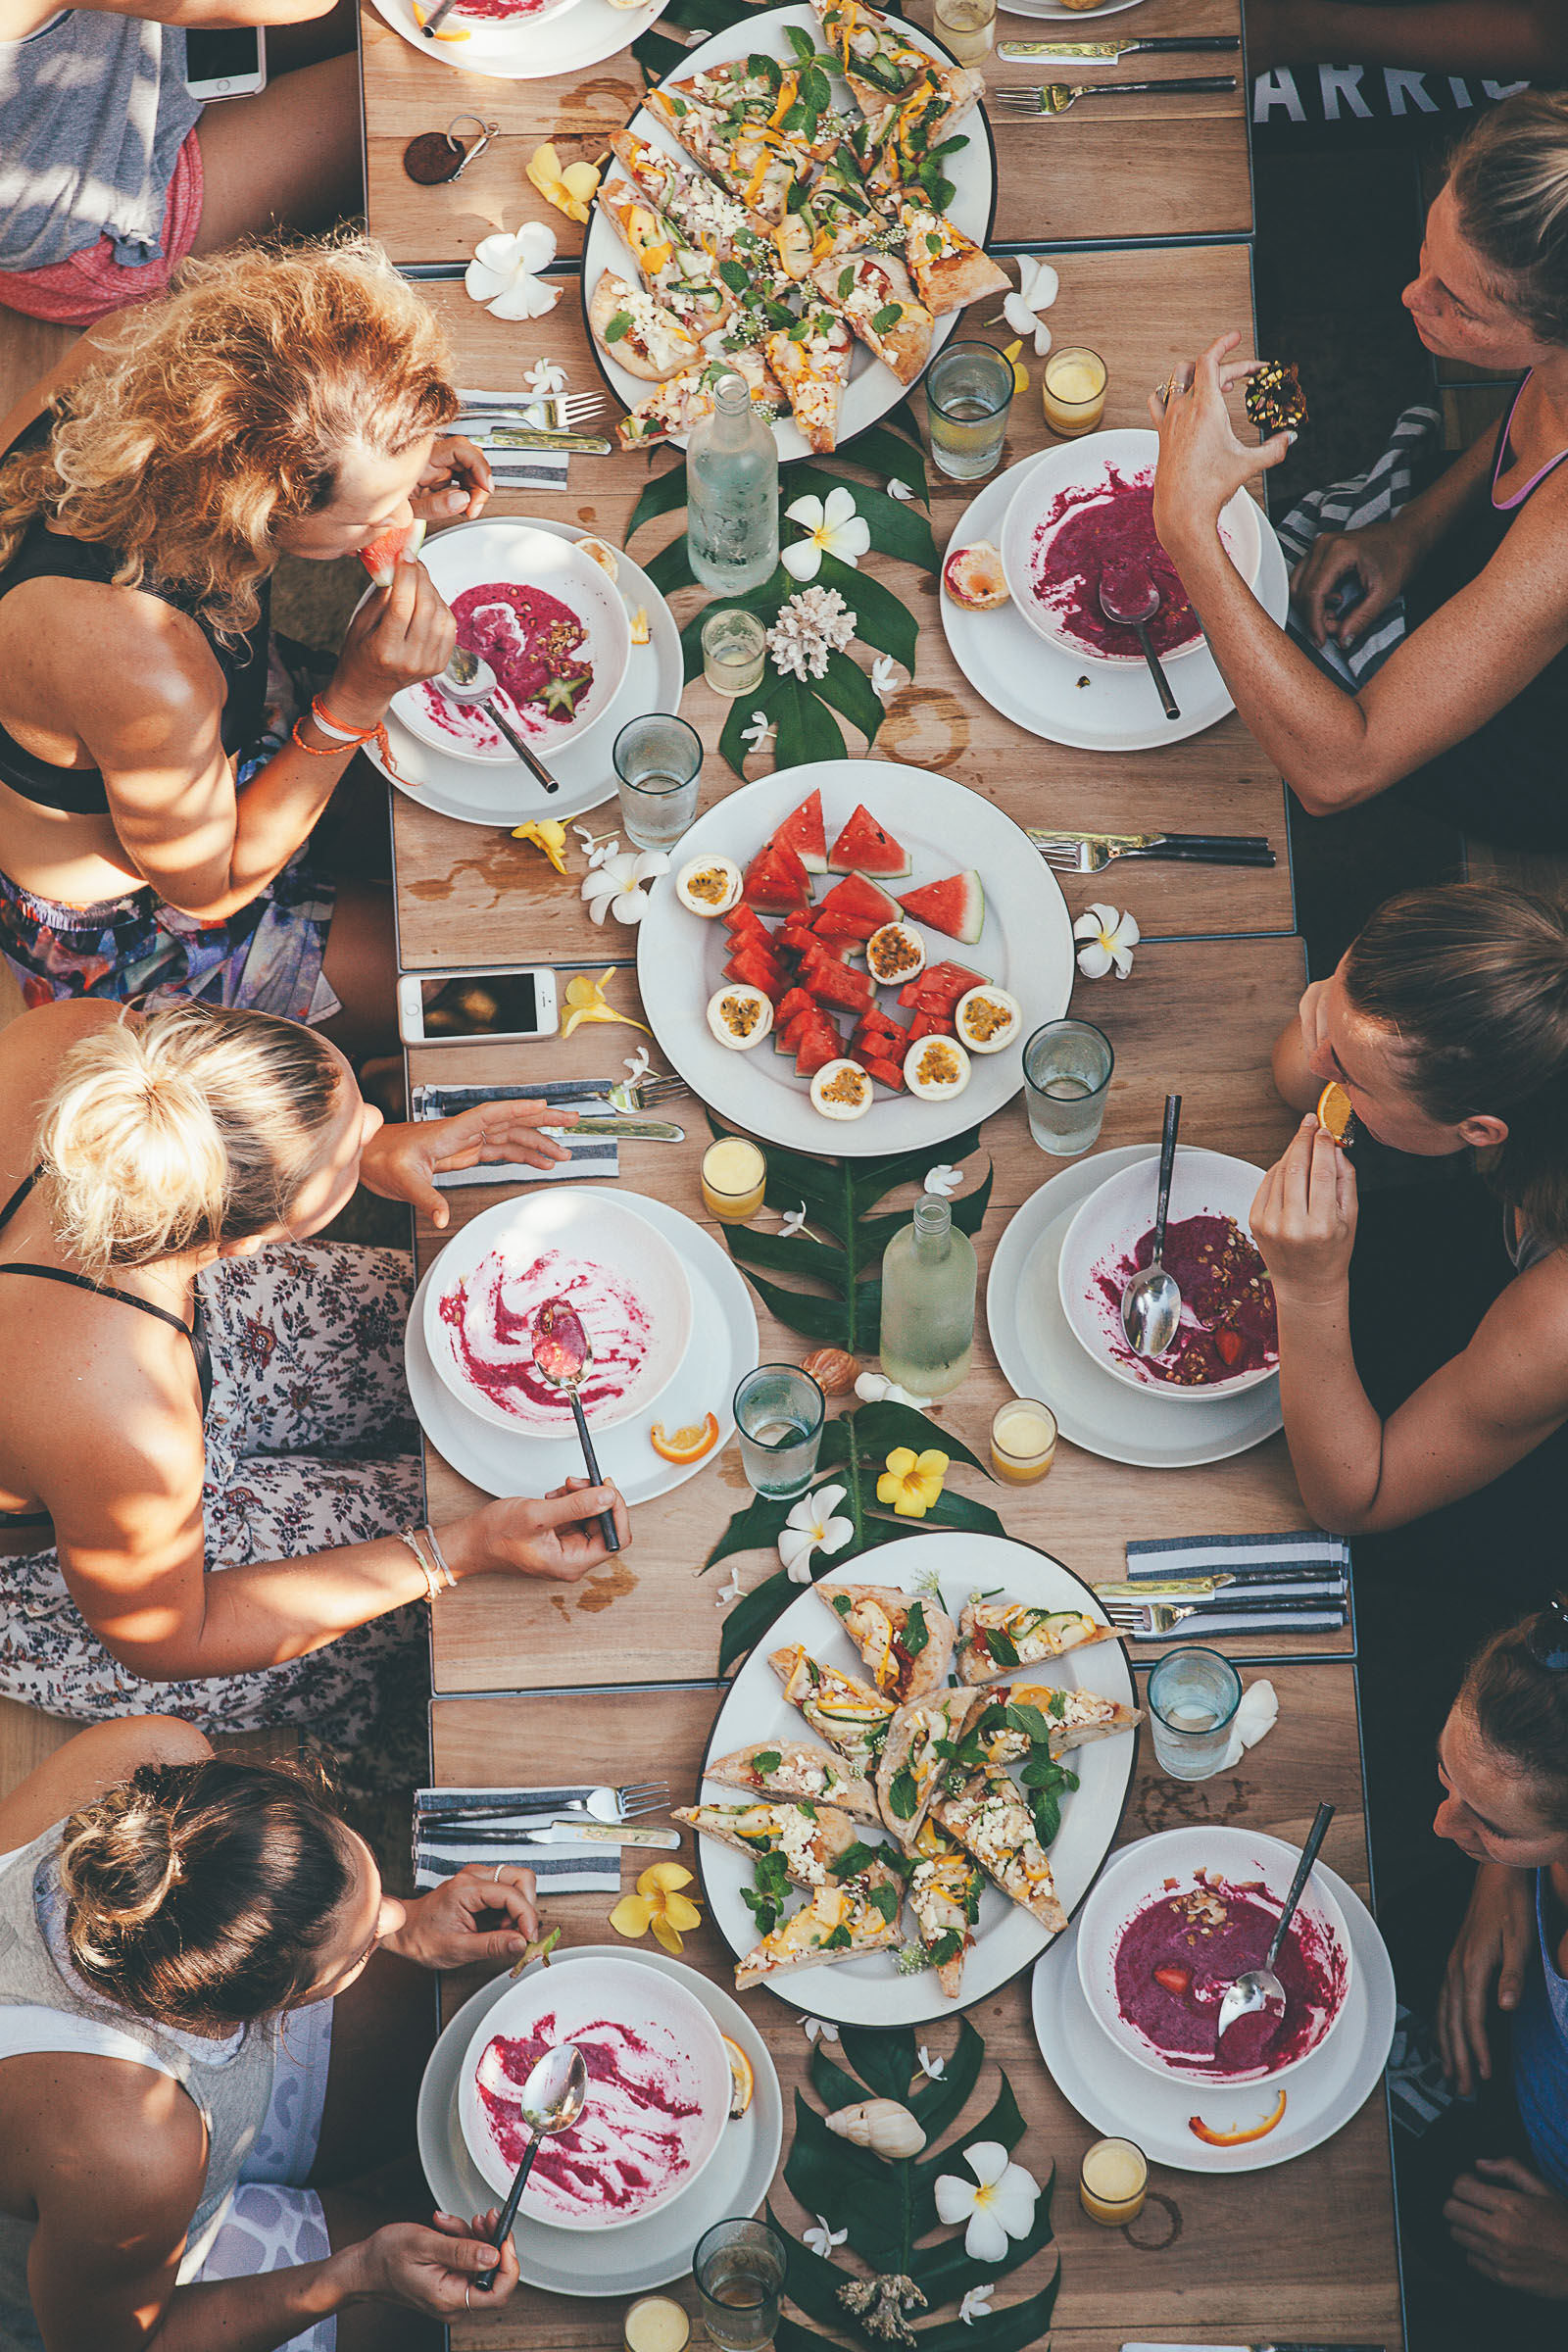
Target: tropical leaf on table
897 529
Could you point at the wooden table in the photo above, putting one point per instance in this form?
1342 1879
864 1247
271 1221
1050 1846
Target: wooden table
1304 2251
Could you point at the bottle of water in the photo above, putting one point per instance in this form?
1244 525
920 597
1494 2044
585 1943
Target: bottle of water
928 1286
732 494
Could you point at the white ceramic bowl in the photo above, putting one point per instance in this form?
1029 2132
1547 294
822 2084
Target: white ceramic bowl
617 2005
1080 465
580 1227
477 554
1138 1876
1106 1227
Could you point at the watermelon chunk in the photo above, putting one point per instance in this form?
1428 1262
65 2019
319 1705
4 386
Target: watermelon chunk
956 905
744 918
930 1024
772 885
796 936
804 832
794 1001
844 990
845 929
788 1037
400 545
755 971
817 1047
855 902
886 1073
866 848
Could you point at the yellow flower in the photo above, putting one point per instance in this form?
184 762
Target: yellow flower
658 1904
913 1482
571 191
1020 373
585 1002
547 833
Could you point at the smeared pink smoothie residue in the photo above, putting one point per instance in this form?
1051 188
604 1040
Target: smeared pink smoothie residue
530 639
1229 1323
639 2129
1090 529
491 1314
1180 1953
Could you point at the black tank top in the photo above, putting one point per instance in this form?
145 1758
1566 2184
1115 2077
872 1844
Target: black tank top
44 555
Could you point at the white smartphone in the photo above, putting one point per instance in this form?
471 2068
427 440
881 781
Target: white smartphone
226 61
458 1009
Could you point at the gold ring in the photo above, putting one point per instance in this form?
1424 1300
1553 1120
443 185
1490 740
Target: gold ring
1162 393
498 1871
467 2305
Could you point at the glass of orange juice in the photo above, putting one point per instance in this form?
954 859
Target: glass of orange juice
734 1179
1023 1441
1072 390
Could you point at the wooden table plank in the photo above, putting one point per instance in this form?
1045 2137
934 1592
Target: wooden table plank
1115 167
649 1616
1306 2250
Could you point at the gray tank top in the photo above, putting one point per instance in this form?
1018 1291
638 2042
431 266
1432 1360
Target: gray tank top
93 113
231 2091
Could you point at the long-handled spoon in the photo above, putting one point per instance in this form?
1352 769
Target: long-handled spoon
469 678
1129 594
1258 1992
562 1353
1151 1302
551 2100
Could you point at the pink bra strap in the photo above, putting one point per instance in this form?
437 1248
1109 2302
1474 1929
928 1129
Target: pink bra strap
1505 505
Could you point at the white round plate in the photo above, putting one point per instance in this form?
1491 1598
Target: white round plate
645 2254
1035 683
582 35
723 1346
870 1991
872 389
1123 2100
505 796
1026 947
1054 10
1039 1356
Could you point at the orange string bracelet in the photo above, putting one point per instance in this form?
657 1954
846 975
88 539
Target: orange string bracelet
354 739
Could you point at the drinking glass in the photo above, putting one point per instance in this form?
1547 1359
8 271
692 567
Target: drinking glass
1192 1694
734 1179
1072 390
968 391
734 651
738 2272
779 1411
1066 1072
967 28
657 759
1023 1441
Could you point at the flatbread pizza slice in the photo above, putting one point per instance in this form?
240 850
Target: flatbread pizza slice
990 1819
714 222
874 55
634 329
840 1710
675 272
998 1637
793 100
673 408
917 1753
757 165
944 1899
1074 1718
906 155
839 1923
949 269
796 1769
838 214
905 1639
873 291
810 1837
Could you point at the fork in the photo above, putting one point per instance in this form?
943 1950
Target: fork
633 1095
516 407
1143 1619
600 1804
1092 853
1055 97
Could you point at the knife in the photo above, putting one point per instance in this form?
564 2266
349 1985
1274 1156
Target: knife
564 1833
1168 1587
1095 52
518 436
636 1130
1150 841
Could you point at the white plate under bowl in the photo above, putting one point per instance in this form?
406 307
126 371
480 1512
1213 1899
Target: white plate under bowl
872 389
1108 1225
1140 1873
569 1999
502 1463
1087 465
1026 945
646 2254
1039 1356
1056 11
586 1227
870 1992
1102 707
1124 2099
583 35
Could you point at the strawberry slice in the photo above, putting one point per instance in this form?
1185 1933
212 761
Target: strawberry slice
1175 1979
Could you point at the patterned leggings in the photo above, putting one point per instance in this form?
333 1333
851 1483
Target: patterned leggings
310 1445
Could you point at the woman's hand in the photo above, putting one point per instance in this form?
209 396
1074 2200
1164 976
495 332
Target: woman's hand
557 1536
1202 462
1304 1217
441 1929
434 2270
400 1162
457 481
1513 2227
1376 559
398 636
1495 1940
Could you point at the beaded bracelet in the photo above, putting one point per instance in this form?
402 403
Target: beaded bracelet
421 1542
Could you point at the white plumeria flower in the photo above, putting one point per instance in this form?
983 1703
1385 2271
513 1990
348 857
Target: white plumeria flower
816 2029
834 528
875 1388
612 886
943 1180
792 1224
822 2240
636 1065
1001 2206
1038 287
899 490
1111 939
811 1526
594 845
730 1591
759 732
976 2304
884 677
545 378
932 2068
504 273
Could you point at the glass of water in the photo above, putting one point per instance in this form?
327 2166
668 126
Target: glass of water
738 2272
657 759
1192 1694
779 1411
969 392
1066 1073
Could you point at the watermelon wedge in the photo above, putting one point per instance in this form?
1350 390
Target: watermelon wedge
866 848
886 1073
804 832
794 1001
744 918
836 985
818 1046
930 1024
398 546
956 905
774 884
851 905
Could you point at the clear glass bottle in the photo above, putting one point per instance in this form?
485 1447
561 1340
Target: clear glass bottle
928 1285
732 494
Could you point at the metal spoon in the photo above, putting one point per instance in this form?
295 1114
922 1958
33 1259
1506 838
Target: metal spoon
469 678
551 2100
1129 594
1258 1990
1151 1302
562 1353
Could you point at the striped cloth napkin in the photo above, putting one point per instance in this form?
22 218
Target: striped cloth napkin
596 1155
1297 1584
440 1852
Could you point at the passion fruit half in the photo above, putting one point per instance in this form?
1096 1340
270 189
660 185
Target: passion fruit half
974 578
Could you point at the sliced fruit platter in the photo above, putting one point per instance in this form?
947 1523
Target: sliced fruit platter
938 1834
863 969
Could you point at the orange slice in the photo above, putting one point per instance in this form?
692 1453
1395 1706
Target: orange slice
685 1444
1334 1110
1236 2140
456 32
743 2080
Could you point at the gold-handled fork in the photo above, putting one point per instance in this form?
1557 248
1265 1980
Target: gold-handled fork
1147 1620
1056 97
1072 853
633 1095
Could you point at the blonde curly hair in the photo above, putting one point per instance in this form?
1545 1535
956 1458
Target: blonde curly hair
226 409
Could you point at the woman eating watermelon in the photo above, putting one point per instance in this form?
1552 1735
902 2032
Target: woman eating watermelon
161 771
